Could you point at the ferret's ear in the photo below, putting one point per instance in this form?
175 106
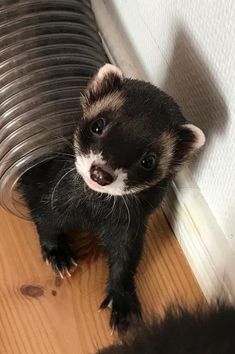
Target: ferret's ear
189 139
107 80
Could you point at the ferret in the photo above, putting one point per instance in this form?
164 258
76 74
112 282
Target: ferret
130 140
203 331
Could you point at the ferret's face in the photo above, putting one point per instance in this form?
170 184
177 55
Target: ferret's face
131 135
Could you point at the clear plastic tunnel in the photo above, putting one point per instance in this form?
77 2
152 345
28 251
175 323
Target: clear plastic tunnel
48 52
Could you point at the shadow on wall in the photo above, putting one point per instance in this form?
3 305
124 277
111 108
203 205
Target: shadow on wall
191 83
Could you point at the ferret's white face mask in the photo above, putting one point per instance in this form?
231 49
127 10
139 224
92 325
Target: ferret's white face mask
99 177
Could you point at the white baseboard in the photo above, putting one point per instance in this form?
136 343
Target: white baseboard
203 243
206 248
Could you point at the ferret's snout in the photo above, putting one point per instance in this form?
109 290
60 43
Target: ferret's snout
102 175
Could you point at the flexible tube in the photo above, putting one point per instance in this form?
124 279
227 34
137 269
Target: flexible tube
49 49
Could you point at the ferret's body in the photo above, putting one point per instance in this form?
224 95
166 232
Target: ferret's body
119 223
127 147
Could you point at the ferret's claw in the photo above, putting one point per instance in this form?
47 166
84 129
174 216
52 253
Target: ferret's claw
61 275
112 330
59 272
67 272
74 263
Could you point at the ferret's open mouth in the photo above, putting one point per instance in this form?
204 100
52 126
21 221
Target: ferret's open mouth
94 185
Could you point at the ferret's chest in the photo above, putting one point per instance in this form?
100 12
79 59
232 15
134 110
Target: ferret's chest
80 207
87 210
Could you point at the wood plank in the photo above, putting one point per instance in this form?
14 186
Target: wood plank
40 315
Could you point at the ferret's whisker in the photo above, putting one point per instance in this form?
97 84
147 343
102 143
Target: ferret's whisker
57 184
128 212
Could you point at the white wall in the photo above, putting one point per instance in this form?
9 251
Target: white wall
187 48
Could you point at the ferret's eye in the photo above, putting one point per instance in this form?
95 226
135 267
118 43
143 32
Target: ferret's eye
97 126
148 162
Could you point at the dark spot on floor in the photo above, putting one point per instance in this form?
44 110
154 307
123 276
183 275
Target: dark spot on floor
32 290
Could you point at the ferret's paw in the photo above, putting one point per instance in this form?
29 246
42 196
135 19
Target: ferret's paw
60 257
124 307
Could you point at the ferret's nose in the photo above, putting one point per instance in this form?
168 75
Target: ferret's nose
101 175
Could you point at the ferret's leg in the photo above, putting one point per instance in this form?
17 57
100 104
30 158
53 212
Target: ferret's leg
56 250
124 253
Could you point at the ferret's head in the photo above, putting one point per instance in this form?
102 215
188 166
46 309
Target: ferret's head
131 135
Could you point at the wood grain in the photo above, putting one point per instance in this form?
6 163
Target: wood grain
40 315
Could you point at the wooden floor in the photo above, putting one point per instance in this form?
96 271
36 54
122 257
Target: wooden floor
41 315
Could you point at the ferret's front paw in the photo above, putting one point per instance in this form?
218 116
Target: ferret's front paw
60 257
124 307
